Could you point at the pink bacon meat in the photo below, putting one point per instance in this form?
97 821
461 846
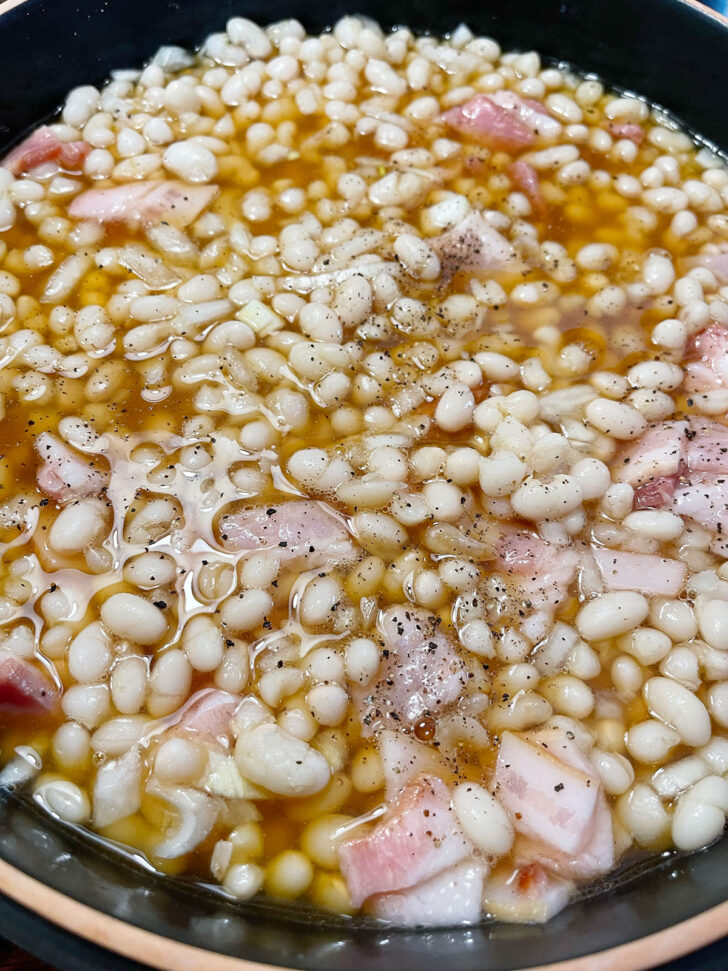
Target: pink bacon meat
596 853
144 202
421 672
64 474
549 799
491 124
209 716
420 839
45 146
472 245
525 177
629 130
682 466
651 575
24 690
709 368
717 263
450 898
295 530
541 575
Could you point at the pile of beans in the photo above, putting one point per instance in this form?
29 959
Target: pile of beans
309 338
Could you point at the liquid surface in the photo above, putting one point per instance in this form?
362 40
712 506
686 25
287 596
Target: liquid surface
363 419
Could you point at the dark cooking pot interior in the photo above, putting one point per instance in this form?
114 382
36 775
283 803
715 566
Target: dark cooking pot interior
669 51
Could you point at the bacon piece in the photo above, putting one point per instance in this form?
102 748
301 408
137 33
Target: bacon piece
421 672
150 202
525 177
472 244
703 498
490 124
24 690
709 368
596 856
450 898
45 146
595 859
528 895
659 453
717 263
550 800
210 715
651 575
654 495
675 448
540 573
64 474
403 758
707 446
296 529
421 838
624 129
529 112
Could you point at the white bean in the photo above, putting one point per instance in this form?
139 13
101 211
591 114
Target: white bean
713 623
483 819
650 741
202 643
273 758
78 526
131 616
699 816
611 614
538 500
129 684
678 707
615 418
89 657
455 408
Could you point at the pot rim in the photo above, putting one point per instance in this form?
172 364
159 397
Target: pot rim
167 954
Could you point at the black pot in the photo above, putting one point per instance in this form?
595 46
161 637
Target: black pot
672 51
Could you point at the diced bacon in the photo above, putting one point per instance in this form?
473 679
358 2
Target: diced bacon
472 245
709 369
648 574
624 129
151 202
674 448
549 800
403 758
527 896
654 495
657 454
420 839
529 112
707 446
717 263
421 672
24 690
448 899
45 146
525 177
703 498
595 859
490 124
210 715
541 571
295 529
64 474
